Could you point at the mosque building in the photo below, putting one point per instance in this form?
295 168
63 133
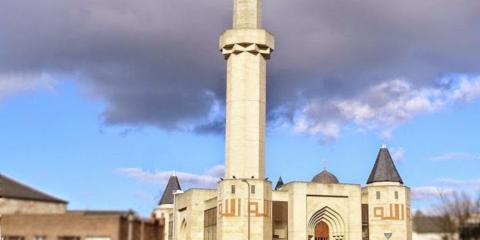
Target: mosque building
245 206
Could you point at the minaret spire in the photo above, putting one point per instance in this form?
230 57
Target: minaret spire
247 14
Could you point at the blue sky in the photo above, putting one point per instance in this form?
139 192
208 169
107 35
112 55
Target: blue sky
52 139
101 100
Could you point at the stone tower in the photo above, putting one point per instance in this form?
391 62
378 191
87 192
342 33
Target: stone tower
388 201
244 198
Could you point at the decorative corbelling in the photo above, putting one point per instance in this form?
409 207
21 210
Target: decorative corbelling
252 48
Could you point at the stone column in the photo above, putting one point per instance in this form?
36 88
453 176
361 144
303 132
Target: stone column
246 48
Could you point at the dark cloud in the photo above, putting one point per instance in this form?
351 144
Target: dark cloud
156 62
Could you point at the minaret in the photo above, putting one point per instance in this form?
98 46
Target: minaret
246 48
244 195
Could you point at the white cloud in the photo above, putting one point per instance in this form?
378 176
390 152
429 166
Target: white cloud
206 180
467 90
449 156
11 84
460 184
445 186
429 192
328 130
383 107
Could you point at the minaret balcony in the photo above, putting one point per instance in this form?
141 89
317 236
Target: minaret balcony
254 41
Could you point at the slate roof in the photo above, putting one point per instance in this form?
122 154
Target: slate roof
384 169
325 177
172 185
10 188
279 183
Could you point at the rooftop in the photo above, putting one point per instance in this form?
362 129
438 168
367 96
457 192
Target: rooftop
10 188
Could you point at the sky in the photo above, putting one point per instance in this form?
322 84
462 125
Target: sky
100 101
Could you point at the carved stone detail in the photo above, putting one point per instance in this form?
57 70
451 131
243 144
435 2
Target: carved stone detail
252 48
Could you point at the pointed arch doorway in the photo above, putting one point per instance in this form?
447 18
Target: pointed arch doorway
321 231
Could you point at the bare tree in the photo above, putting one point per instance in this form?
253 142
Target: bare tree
458 216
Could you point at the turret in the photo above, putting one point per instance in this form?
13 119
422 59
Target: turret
386 201
164 210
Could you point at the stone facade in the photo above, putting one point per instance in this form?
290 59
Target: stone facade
388 210
244 206
350 211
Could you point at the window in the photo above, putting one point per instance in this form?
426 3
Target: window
68 238
365 219
233 189
378 195
40 237
365 233
396 194
280 220
210 224
97 238
13 237
252 189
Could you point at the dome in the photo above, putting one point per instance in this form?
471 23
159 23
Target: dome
325 177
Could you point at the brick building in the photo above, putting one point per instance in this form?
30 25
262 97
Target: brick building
28 214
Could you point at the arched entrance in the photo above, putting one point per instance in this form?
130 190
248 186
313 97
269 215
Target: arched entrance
321 231
332 222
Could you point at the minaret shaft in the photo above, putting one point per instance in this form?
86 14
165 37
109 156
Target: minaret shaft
245 116
246 48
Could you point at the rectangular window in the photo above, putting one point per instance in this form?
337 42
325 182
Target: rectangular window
280 220
396 194
13 237
68 238
233 189
210 224
378 195
365 220
97 238
40 237
365 233
252 190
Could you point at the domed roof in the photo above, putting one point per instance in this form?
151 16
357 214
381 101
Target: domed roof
325 177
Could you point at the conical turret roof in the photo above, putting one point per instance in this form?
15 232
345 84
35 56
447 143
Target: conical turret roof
279 183
172 186
384 169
